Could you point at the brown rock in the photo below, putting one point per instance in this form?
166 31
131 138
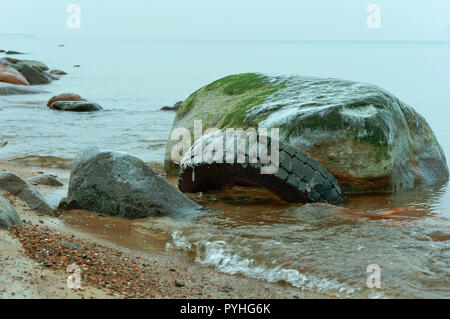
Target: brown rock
10 75
65 97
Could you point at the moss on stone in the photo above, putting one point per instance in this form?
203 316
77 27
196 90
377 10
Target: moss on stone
188 104
238 83
241 92
236 118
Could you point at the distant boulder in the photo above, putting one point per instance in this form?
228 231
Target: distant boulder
33 74
33 63
75 106
65 97
57 72
12 76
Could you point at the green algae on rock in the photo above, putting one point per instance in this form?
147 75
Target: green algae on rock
365 136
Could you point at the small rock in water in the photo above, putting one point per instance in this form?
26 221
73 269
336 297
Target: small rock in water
13 52
76 66
65 97
75 106
57 72
175 107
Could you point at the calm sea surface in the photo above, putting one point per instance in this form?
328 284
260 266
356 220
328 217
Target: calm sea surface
133 79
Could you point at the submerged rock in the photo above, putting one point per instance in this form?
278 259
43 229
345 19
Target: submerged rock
57 72
175 107
18 187
8 215
14 90
13 52
12 76
119 184
367 138
45 179
65 97
75 106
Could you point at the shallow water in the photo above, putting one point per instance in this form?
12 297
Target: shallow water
313 249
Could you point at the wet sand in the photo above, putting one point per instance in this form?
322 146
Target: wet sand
115 258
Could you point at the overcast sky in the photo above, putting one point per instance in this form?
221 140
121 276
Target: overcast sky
231 19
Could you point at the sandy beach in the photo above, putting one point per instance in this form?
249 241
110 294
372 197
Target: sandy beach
34 258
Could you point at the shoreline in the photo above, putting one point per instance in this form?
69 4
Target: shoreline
167 274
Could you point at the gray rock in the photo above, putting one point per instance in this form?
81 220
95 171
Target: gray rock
8 215
45 179
117 184
33 74
16 186
75 106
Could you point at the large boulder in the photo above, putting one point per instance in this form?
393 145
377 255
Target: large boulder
118 184
75 106
8 215
10 75
15 185
363 135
